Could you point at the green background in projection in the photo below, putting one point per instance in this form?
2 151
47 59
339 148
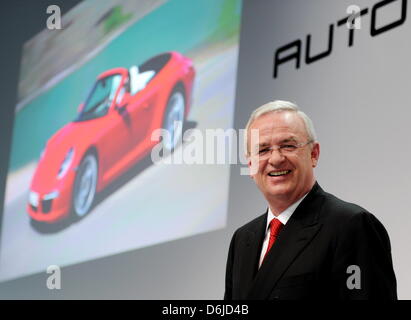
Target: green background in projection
178 25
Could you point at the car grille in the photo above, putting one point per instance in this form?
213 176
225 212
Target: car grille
43 203
46 205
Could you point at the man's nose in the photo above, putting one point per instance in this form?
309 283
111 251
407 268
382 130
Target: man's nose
276 157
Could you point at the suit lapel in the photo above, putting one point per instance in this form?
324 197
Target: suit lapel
251 252
295 236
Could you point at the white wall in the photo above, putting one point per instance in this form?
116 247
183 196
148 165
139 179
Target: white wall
358 98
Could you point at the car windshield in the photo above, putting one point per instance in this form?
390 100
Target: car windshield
100 98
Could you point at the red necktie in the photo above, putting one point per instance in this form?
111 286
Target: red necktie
275 227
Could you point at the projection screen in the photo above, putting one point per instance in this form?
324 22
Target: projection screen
92 96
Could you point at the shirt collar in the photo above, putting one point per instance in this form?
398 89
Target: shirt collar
286 214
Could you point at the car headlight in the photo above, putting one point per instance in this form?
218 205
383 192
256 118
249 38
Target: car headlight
65 165
34 198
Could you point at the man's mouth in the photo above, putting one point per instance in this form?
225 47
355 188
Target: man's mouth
278 173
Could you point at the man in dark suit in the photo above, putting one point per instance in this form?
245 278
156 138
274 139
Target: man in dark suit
309 244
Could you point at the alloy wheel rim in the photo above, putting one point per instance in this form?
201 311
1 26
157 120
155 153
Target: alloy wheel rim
86 186
174 121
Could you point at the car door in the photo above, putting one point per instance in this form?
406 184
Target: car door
141 109
116 137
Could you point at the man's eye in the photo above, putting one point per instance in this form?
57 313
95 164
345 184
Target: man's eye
288 147
262 151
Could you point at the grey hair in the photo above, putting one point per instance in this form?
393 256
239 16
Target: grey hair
280 106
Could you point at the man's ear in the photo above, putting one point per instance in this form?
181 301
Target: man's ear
315 154
249 164
253 165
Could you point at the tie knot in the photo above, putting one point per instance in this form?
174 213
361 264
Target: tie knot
275 227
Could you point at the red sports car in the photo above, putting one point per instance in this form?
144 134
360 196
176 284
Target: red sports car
111 133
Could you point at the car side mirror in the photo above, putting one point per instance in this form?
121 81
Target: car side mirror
80 108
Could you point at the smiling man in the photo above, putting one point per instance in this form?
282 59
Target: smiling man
308 244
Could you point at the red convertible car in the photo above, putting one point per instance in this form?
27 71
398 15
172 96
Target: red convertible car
111 132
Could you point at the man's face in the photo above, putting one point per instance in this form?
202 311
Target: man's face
282 176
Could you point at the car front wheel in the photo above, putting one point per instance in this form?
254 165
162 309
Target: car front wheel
174 119
84 190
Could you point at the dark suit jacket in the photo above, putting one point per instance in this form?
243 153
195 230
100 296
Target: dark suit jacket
312 253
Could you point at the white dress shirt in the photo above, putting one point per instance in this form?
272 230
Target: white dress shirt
283 217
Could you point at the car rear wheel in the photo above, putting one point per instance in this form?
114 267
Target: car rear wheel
174 119
84 190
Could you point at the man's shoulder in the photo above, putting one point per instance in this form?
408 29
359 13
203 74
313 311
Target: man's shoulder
353 222
253 225
341 208
342 213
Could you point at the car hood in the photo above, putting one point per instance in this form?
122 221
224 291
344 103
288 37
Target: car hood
69 136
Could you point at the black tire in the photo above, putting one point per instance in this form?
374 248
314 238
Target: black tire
84 188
